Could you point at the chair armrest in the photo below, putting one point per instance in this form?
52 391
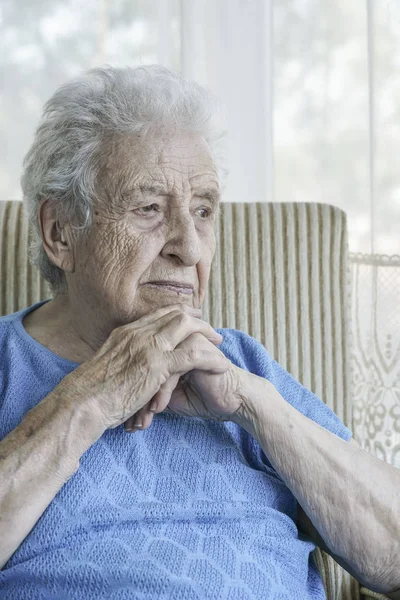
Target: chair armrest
368 594
338 583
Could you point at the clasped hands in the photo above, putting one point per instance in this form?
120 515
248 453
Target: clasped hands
168 359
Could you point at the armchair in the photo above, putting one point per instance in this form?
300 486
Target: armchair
280 273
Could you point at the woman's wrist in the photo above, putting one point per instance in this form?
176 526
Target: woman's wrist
257 396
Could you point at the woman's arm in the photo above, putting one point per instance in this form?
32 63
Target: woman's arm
43 452
36 459
351 497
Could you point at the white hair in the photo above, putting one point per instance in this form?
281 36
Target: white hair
63 162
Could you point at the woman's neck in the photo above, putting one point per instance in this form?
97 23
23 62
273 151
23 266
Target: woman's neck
68 331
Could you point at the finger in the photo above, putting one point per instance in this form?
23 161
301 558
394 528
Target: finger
196 352
161 399
140 420
180 327
152 328
157 404
161 312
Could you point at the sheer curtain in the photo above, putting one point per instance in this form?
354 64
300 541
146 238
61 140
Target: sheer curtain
311 95
336 92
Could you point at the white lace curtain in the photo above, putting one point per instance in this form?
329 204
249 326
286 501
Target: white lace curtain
376 353
311 90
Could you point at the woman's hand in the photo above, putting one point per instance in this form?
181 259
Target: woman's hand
198 393
143 360
208 395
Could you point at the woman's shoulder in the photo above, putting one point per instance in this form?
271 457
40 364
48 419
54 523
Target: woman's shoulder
10 329
7 329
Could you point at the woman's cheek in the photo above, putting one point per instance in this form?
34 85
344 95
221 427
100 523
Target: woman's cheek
141 251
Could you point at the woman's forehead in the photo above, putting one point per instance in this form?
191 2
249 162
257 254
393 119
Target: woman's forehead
161 150
160 160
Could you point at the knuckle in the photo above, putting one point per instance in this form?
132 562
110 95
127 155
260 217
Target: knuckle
116 334
121 330
119 334
198 340
193 352
182 318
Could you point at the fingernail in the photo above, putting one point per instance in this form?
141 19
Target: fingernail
153 406
133 428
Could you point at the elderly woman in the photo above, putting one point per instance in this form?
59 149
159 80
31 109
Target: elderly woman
122 188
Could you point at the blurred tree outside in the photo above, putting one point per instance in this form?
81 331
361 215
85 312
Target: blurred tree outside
322 113
320 87
46 42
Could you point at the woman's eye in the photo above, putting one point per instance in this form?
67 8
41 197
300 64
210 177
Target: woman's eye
204 212
150 208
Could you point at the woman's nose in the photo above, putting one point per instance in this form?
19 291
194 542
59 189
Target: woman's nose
183 241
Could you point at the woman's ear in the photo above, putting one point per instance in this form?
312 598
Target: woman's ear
57 240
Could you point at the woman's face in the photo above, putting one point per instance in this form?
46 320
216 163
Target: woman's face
152 240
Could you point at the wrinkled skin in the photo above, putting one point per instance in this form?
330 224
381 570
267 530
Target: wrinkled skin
143 361
153 221
142 234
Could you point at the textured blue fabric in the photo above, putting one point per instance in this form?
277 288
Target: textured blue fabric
189 509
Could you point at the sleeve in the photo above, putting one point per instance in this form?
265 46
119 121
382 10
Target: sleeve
247 353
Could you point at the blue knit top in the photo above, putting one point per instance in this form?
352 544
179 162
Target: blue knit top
189 509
